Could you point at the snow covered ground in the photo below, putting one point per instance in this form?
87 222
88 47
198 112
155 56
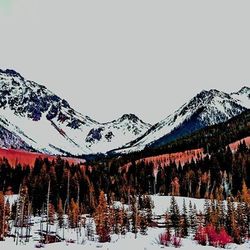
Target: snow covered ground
162 203
118 242
142 242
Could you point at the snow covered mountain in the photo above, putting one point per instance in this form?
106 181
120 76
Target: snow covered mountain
205 109
31 116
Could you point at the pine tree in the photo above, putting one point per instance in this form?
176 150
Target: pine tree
134 216
73 214
167 220
231 222
241 221
148 205
221 213
245 193
113 222
22 213
60 213
51 214
89 229
7 216
192 217
2 217
214 213
122 220
102 219
184 221
175 214
143 224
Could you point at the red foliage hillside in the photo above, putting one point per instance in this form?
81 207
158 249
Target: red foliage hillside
179 157
15 156
165 159
185 156
235 145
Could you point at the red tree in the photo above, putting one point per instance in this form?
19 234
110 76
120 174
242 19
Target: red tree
215 239
176 241
223 238
102 219
165 238
201 236
212 235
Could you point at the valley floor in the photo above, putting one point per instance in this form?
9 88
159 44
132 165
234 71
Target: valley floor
147 242
127 242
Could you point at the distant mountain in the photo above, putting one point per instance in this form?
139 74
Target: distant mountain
32 117
205 109
211 138
114 133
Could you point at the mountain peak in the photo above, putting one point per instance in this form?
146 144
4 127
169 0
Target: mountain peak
11 72
131 117
244 90
207 93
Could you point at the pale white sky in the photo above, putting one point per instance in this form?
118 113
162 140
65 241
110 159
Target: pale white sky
113 57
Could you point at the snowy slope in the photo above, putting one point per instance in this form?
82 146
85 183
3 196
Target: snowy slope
205 109
42 120
124 129
242 96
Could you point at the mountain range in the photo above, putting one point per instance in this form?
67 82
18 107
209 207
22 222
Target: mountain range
35 119
32 117
205 109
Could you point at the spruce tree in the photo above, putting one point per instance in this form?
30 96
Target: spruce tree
134 216
192 218
231 222
184 221
175 214
207 210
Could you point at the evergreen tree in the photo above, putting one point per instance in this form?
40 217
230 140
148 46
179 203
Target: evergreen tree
175 214
207 211
143 223
221 214
192 218
241 221
122 219
134 216
60 213
2 217
167 220
231 222
89 229
184 221
102 219
51 214
245 195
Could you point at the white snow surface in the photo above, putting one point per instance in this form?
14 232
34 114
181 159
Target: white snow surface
143 242
162 203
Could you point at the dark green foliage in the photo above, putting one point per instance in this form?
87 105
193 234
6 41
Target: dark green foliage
175 214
